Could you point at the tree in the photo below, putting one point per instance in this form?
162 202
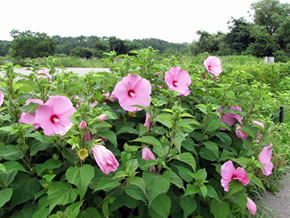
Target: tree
4 47
31 45
82 52
270 14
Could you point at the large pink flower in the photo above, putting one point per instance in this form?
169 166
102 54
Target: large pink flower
178 80
148 155
105 159
53 116
1 98
242 135
28 117
265 158
228 173
251 206
213 65
230 119
133 90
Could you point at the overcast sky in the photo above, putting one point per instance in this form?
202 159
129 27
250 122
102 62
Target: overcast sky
170 20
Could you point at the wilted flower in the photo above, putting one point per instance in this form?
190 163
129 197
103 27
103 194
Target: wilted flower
1 98
178 80
213 65
133 90
230 119
29 117
82 153
242 135
53 116
251 206
228 173
105 159
83 124
88 136
265 158
148 155
147 121
102 117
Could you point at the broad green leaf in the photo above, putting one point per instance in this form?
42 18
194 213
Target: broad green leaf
135 192
164 119
49 177
38 146
190 190
127 130
207 154
11 152
110 135
234 187
179 138
174 178
14 165
90 212
81 177
241 199
2 168
156 185
188 204
203 190
60 193
213 147
187 158
105 183
74 209
148 140
211 192
219 209
202 108
138 181
226 155
160 206
42 212
230 94
50 164
5 195
225 138
256 180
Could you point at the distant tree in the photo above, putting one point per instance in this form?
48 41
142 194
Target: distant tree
209 42
82 52
31 45
118 45
4 47
270 14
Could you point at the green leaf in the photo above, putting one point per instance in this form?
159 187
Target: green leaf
174 179
179 138
110 135
5 195
90 212
187 158
202 108
127 130
226 155
241 199
219 209
138 181
42 212
74 209
225 138
203 190
230 94
156 185
207 154
38 146
48 165
81 177
60 193
211 192
164 119
14 165
189 205
190 190
213 147
135 192
256 180
106 183
161 206
11 152
234 187
148 140
2 168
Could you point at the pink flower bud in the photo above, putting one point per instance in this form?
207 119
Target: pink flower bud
240 134
265 158
147 121
105 159
251 206
102 117
148 155
255 122
94 104
158 74
88 136
1 98
83 124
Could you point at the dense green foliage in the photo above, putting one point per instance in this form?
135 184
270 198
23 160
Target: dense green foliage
51 176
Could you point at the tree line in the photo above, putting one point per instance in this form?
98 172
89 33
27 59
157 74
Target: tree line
267 35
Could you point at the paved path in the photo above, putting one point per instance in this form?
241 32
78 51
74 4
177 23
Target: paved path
80 71
278 206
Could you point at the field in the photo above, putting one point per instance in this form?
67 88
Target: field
154 137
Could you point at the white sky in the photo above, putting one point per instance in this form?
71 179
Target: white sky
170 20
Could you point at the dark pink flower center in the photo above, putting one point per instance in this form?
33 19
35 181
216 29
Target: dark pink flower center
209 67
175 83
131 93
54 118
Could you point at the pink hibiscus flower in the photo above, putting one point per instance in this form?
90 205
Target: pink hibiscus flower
147 154
240 134
28 117
53 116
228 173
265 158
1 98
178 80
251 206
105 159
133 90
213 65
230 119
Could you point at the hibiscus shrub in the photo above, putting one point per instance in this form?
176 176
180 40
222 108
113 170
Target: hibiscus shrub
150 138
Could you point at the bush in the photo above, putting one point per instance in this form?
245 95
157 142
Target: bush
161 158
